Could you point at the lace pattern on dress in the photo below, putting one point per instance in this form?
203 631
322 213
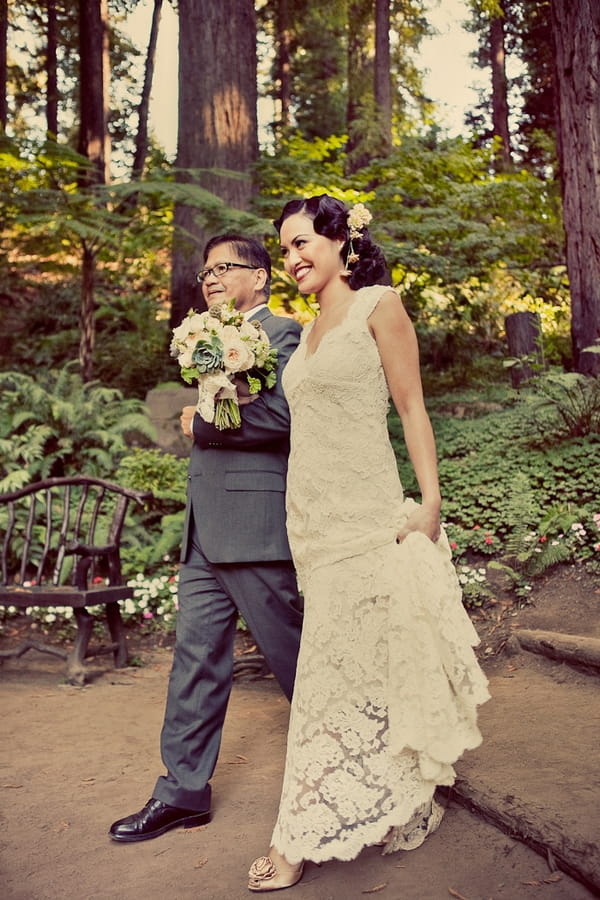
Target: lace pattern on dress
388 683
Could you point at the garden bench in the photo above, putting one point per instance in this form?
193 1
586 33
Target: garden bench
61 547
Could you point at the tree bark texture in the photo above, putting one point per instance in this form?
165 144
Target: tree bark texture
283 61
3 64
87 324
360 78
499 94
92 127
51 69
524 339
383 81
576 30
141 141
217 126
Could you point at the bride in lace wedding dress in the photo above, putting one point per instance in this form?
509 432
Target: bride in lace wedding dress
387 685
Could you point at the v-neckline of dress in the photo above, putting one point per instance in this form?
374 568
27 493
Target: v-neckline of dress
308 354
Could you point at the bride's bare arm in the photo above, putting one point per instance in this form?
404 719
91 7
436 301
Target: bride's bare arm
397 344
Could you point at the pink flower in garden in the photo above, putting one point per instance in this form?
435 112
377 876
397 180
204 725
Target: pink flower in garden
488 538
476 527
543 539
147 614
453 545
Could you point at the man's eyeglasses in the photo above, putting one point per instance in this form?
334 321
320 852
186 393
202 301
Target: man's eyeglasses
221 269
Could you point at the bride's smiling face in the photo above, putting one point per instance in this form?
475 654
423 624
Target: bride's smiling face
312 259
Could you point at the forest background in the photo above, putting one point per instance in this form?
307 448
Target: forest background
102 234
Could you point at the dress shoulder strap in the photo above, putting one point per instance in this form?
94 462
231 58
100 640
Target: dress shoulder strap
370 296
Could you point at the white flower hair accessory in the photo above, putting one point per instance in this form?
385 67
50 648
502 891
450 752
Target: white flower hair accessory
358 218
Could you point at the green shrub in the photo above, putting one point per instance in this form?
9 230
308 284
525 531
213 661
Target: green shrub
561 406
155 541
54 424
520 507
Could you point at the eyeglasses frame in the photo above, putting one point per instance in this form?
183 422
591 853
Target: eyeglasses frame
203 274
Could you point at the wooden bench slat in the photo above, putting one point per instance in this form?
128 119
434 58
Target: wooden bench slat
61 535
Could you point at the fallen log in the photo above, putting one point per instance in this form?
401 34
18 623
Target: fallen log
571 648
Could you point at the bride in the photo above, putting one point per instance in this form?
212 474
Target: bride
387 685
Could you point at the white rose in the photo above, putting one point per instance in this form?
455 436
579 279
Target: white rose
181 332
185 358
247 329
237 355
196 323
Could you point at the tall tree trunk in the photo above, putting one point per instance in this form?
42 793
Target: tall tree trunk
92 126
87 324
360 80
283 61
51 70
217 126
141 142
3 64
106 86
576 29
93 143
499 94
383 81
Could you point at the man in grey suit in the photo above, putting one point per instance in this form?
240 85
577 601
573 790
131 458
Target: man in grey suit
235 557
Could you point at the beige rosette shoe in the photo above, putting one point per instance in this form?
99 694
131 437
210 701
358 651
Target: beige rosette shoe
263 875
410 836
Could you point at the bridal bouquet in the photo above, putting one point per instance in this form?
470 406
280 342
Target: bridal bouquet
216 347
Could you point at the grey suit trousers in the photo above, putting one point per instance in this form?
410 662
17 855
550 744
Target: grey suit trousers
210 597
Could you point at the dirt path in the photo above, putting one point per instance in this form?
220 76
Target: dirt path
74 759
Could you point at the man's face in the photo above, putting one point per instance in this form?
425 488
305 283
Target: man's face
239 283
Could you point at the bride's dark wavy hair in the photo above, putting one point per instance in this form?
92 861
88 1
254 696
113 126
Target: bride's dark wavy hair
330 218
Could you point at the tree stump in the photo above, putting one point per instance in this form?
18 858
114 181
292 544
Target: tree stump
524 337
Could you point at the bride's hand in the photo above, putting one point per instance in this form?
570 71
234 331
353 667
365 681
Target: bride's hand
423 519
243 392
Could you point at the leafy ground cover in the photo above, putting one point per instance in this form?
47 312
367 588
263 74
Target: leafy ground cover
521 497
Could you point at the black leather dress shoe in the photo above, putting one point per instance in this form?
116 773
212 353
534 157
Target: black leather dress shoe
154 819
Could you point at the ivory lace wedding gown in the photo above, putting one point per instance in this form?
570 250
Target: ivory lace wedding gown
387 683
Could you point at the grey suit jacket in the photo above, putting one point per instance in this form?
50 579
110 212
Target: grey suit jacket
236 486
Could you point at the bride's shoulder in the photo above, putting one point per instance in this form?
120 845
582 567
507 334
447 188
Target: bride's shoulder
375 295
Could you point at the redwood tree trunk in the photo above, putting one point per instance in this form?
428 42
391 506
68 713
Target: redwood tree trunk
499 94
93 143
360 79
3 63
92 126
283 61
51 71
217 126
576 29
383 81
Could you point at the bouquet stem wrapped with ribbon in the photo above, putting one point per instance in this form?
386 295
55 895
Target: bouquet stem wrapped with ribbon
217 347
